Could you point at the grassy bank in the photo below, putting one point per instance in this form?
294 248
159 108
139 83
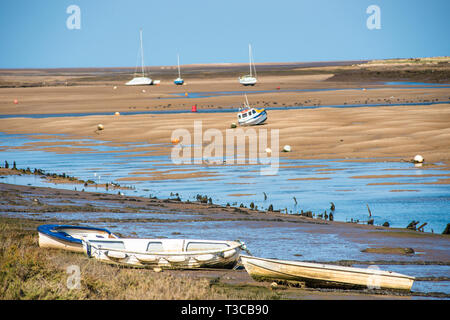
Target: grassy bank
29 272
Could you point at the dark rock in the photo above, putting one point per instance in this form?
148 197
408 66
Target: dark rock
447 229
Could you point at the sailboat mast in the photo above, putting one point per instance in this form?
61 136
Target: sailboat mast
142 53
178 58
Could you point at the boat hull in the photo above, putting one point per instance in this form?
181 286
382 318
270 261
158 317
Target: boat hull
171 259
69 237
320 275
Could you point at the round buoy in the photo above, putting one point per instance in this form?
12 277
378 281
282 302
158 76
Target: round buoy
115 87
175 141
100 127
185 94
287 148
268 150
418 159
117 113
194 108
278 88
233 125
143 90
16 101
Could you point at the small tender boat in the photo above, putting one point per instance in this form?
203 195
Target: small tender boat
165 253
69 237
323 275
249 79
248 116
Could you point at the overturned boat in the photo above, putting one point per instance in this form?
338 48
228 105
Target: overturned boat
324 275
70 237
165 253
248 116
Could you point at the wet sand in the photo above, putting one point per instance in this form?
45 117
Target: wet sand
382 133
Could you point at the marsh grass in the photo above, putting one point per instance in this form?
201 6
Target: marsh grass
30 272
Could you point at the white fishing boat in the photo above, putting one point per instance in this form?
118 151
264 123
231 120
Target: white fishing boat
248 116
70 237
165 253
249 79
179 81
324 275
141 80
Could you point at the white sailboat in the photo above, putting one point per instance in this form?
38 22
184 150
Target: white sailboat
178 81
249 79
140 80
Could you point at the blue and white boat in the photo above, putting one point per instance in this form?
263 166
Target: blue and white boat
70 237
249 79
248 116
179 81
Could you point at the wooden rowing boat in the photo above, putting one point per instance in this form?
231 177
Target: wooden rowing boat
69 237
324 275
165 253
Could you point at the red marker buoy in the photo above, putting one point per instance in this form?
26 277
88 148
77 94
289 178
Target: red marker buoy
194 108
16 101
278 88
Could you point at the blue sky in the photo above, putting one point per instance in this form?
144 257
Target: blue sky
33 33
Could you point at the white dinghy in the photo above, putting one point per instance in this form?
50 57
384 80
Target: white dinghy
165 253
324 275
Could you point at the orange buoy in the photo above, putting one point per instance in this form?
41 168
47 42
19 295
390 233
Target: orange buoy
194 108
175 141
185 94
